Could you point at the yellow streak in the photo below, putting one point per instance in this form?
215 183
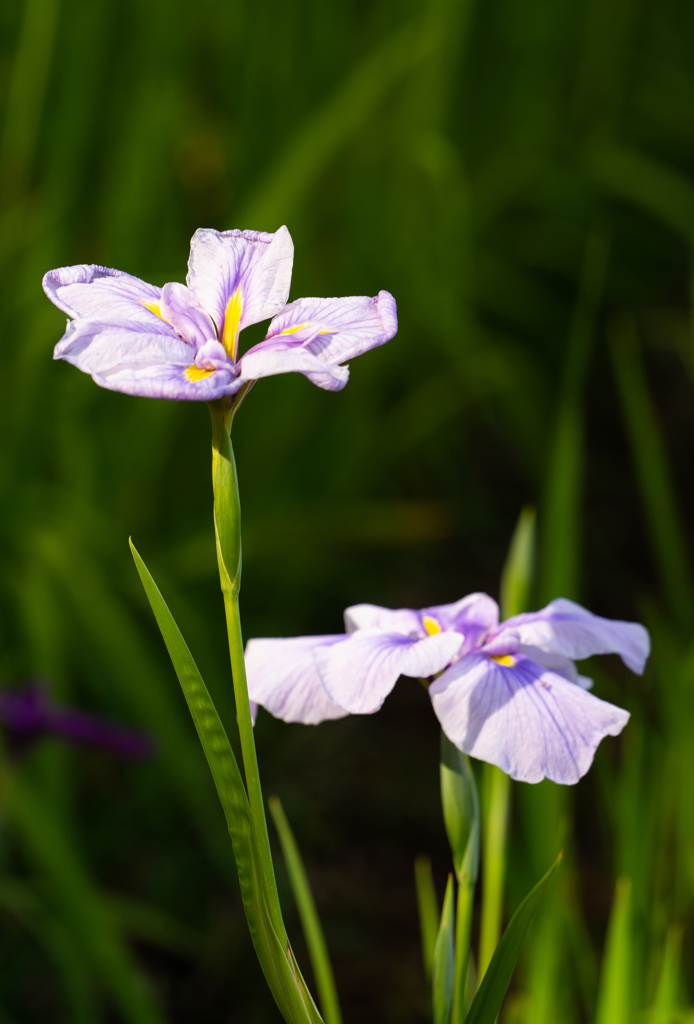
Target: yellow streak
232 319
195 373
295 328
431 625
153 307
507 660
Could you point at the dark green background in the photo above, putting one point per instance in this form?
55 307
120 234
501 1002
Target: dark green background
518 176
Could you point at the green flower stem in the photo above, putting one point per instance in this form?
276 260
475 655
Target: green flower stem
498 790
463 926
227 518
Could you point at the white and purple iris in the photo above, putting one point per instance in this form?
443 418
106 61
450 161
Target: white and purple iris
508 693
181 341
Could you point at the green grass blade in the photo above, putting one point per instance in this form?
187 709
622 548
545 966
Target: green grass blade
490 995
653 472
666 1001
519 570
80 903
444 961
272 950
313 931
429 912
614 997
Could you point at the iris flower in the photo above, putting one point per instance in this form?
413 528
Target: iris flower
181 341
29 714
508 693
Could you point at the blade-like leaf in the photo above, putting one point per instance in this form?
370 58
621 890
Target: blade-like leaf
272 950
519 569
614 998
444 961
428 907
490 995
313 932
461 813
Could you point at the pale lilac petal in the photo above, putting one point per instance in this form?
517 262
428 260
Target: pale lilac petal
265 363
126 357
557 663
336 330
473 616
100 293
360 672
527 720
179 307
566 628
282 677
256 263
369 616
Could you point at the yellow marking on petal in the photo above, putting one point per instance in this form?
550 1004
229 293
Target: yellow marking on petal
195 373
232 319
295 328
431 625
507 660
153 307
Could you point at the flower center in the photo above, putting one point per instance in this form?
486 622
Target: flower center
507 660
232 319
431 625
194 373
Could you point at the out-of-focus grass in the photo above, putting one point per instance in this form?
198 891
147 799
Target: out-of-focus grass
518 176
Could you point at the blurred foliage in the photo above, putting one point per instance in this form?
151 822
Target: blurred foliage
518 175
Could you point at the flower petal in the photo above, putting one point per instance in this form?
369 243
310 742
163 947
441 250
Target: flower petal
252 270
527 720
473 616
100 293
566 628
282 677
360 672
367 616
126 357
179 307
259 362
336 329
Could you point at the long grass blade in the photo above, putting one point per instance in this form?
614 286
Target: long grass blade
313 930
429 911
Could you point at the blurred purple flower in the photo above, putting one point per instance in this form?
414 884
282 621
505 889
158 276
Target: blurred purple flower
181 341
29 714
508 693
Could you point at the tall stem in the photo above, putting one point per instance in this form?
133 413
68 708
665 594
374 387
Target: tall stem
498 788
227 519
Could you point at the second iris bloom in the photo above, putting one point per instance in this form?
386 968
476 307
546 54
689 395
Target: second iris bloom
508 693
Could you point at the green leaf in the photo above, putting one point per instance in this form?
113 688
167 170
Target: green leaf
444 961
667 992
428 907
313 932
614 997
227 509
490 995
273 951
461 812
519 569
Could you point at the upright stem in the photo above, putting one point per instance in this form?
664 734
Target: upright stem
227 518
498 789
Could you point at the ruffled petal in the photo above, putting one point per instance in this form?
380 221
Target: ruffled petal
360 672
266 362
370 616
282 677
526 719
243 273
179 307
100 293
566 628
126 357
473 616
336 330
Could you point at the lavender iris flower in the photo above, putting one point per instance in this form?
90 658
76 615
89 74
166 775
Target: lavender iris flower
508 693
29 714
181 341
